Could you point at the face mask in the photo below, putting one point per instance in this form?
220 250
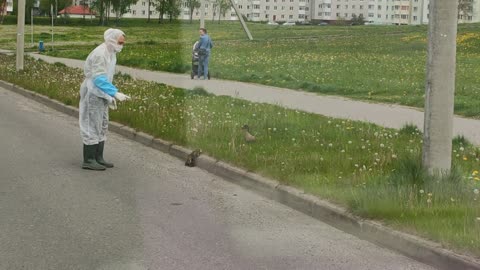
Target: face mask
117 48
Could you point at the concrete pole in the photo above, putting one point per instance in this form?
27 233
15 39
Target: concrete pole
20 34
440 86
51 11
31 25
202 13
239 15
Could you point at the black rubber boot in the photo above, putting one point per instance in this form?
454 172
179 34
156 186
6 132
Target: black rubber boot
99 156
89 161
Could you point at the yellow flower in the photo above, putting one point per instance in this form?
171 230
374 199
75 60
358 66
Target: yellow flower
476 179
475 173
465 158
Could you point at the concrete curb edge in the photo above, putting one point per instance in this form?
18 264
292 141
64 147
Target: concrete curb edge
422 250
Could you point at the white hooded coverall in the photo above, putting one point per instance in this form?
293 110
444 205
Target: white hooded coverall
94 101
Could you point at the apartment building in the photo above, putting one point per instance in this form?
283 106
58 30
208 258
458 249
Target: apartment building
374 11
383 11
254 10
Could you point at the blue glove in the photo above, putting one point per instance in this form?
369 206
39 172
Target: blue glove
103 84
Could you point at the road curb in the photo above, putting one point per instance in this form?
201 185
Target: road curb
422 250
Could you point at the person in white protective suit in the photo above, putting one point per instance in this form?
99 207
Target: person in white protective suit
97 94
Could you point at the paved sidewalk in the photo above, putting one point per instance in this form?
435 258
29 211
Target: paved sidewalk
392 116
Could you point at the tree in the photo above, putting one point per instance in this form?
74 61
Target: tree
161 8
440 87
192 5
149 6
214 9
101 6
173 9
357 20
57 6
223 7
465 8
121 7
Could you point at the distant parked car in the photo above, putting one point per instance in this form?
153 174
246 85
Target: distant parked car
289 23
373 23
323 24
304 23
272 23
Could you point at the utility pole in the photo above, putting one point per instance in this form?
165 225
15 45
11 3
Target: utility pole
20 34
31 24
440 86
51 11
202 14
240 17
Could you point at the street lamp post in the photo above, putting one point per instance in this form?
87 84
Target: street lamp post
20 35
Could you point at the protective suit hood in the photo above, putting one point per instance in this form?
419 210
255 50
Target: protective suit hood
111 37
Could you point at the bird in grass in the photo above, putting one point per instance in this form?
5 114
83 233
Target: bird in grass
248 136
192 157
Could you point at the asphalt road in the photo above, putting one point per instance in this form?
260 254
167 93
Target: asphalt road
149 212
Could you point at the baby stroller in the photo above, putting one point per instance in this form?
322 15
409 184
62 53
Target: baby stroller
195 61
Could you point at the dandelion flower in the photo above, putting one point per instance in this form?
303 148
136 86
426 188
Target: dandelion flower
465 158
422 191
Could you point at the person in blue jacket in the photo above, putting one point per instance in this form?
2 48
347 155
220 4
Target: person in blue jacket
97 94
204 48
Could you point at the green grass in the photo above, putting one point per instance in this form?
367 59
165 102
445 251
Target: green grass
375 63
373 171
